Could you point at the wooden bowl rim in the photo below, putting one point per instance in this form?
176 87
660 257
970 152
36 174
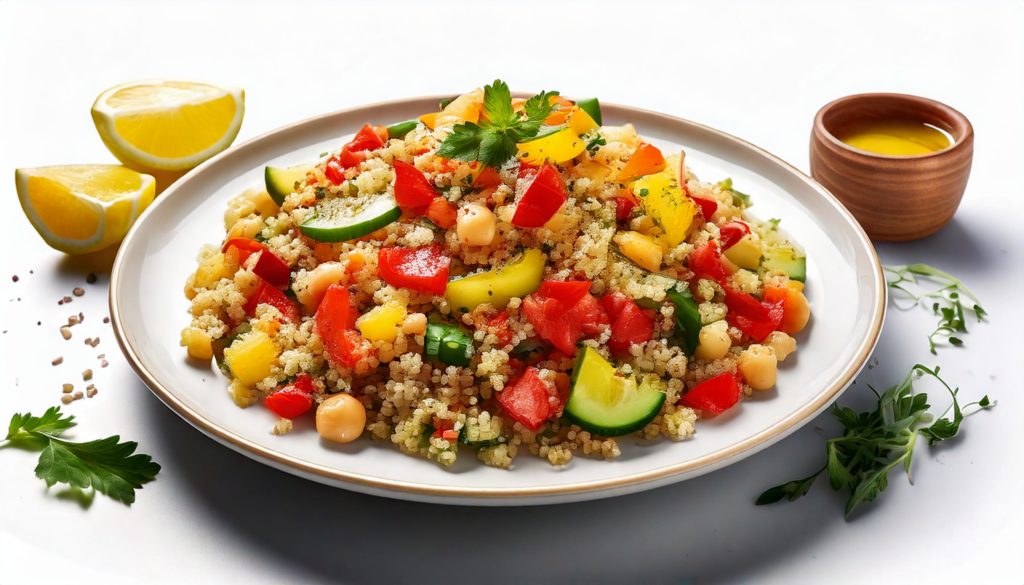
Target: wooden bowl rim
962 131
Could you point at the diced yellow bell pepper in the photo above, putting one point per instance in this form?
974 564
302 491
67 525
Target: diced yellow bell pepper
198 343
251 357
663 200
581 122
644 250
214 268
430 120
497 286
745 253
558 147
382 323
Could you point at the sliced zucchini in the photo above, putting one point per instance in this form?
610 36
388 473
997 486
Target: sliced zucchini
593 109
282 181
346 218
786 260
400 129
448 344
608 404
516 279
687 316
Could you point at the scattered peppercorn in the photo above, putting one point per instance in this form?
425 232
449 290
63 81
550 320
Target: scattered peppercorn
57 361
79 291
106 319
90 278
15 278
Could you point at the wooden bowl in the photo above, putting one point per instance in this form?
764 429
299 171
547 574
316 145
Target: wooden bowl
895 198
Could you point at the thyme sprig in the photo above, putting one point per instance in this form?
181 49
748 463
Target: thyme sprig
946 302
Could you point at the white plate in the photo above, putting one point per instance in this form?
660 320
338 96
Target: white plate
844 285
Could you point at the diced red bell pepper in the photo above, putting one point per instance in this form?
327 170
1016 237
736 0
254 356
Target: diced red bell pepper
706 262
442 213
785 297
335 322
567 292
293 400
714 395
732 232
526 170
708 207
488 177
267 294
245 246
591 315
542 198
354 152
335 172
272 269
630 323
366 139
413 192
422 269
526 400
624 207
755 318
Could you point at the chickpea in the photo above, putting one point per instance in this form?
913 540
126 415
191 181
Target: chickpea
341 418
415 324
713 341
798 312
759 366
782 343
311 292
476 225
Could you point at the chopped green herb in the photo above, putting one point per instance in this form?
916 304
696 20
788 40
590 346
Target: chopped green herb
596 142
738 199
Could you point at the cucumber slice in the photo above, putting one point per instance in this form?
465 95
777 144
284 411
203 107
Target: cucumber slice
687 316
347 218
610 405
593 109
400 129
787 260
281 180
448 344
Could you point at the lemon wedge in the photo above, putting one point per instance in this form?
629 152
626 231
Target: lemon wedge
83 208
168 125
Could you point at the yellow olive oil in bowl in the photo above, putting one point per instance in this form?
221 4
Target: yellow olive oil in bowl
894 137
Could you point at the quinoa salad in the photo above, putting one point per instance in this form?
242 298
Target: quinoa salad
498 277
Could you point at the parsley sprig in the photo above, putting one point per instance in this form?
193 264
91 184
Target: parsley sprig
877 441
105 465
947 301
493 141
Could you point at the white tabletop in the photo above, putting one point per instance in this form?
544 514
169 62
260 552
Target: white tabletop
756 70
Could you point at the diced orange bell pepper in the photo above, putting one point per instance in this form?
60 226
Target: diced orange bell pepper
646 160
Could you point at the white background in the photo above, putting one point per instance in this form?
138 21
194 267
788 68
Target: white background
756 70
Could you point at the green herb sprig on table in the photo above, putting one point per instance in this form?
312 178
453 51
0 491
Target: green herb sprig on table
493 141
106 465
947 302
877 441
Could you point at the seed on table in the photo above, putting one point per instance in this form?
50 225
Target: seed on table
91 391
57 361
73 320
78 291
101 356
67 399
90 278
78 395
67 388
15 278
67 299
106 319
65 331
87 374
104 363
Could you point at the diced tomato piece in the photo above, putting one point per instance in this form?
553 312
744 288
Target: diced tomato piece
423 269
382 133
784 296
526 400
541 199
714 395
590 315
755 318
498 325
293 400
335 171
526 170
563 385
567 292
630 323
552 322
708 207
624 207
442 213
267 294
413 192
348 159
646 160
488 177
272 269
366 139
732 232
246 247
706 262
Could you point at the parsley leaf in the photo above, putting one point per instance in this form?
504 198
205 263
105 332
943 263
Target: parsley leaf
947 301
493 140
876 442
105 465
